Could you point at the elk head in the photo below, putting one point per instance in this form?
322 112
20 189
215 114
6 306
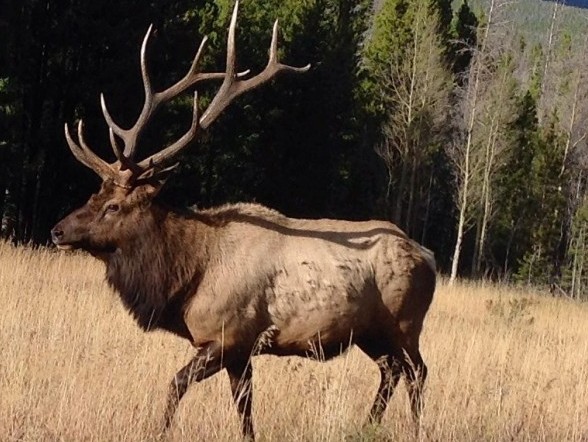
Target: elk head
123 202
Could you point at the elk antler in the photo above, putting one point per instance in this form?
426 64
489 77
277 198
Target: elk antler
231 88
85 155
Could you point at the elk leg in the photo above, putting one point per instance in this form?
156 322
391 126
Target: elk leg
416 373
240 378
390 371
205 364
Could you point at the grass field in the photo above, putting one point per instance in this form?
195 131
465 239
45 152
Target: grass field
503 365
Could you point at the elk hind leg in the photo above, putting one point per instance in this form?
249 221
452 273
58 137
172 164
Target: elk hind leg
415 371
240 377
390 371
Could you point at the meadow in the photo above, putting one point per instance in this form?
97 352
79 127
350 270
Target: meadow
504 364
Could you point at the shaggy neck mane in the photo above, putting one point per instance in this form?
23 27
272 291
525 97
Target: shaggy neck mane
158 267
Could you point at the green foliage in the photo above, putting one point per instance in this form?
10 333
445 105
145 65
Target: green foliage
528 232
464 33
445 13
511 233
575 277
547 200
537 60
390 36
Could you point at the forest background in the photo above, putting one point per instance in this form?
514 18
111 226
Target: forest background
464 123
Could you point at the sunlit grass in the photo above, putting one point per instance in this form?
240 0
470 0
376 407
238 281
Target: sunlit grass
503 365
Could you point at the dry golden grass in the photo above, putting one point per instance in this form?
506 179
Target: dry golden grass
74 367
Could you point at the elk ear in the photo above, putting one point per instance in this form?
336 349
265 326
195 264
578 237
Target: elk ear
149 189
153 180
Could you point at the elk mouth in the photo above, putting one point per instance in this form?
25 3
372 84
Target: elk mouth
65 246
97 251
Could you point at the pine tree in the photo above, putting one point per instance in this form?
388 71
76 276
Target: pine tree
390 36
512 231
464 35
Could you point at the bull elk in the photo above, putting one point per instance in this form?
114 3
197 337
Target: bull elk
224 277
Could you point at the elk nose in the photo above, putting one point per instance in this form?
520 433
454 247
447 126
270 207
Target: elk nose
56 234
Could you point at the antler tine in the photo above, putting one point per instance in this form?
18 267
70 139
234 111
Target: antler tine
115 147
127 134
231 87
109 121
191 77
273 65
85 155
130 136
223 96
172 150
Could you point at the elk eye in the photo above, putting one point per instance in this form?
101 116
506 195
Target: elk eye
112 208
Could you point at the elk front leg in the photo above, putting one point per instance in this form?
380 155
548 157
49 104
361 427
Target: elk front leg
240 376
206 363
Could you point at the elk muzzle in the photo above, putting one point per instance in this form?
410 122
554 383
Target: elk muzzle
60 238
73 230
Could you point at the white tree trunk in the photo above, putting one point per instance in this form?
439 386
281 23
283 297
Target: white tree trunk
458 243
465 168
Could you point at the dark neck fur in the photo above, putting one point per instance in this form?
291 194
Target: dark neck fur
157 269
